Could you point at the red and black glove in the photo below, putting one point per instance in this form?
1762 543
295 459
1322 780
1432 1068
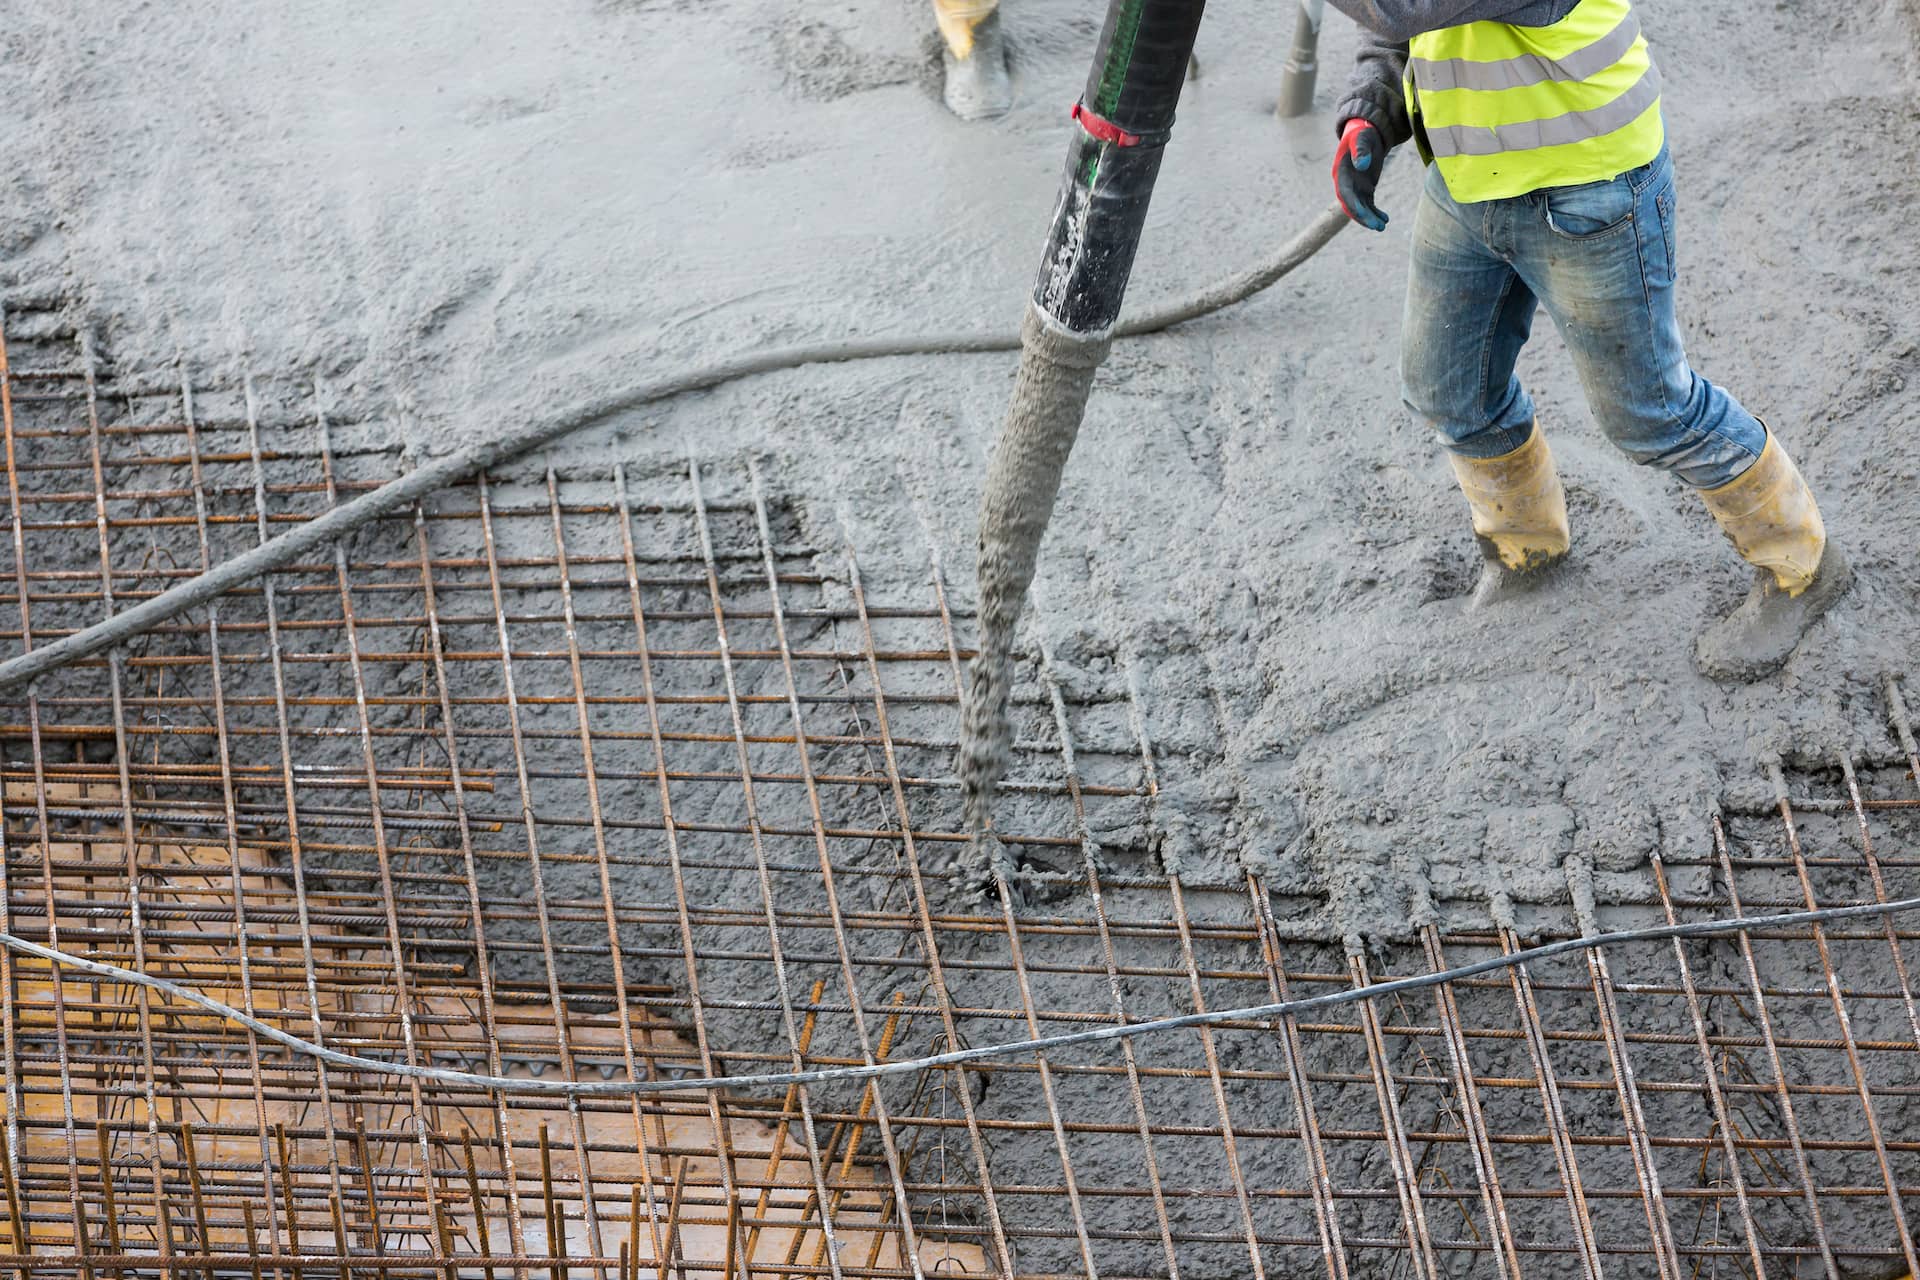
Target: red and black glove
1357 163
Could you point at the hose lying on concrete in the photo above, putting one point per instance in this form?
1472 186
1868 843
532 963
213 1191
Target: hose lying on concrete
455 467
973 1053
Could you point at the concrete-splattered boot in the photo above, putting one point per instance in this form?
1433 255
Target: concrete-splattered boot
1519 516
978 86
1770 515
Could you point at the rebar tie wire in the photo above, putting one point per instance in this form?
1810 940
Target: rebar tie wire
974 1053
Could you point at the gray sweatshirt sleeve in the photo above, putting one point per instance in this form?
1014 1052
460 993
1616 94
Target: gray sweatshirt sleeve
1374 90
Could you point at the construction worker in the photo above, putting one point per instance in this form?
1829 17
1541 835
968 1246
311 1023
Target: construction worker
1548 184
977 83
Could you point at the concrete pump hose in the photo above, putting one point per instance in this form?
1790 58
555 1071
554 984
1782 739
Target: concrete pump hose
452 468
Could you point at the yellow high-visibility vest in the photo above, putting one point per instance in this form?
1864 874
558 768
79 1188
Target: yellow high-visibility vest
1504 110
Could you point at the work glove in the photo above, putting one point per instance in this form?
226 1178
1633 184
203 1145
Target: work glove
1357 163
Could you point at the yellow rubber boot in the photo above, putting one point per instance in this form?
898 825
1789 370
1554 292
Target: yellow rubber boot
957 20
977 86
1519 516
1769 514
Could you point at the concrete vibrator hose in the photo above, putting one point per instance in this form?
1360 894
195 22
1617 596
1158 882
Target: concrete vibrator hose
1298 1007
452 468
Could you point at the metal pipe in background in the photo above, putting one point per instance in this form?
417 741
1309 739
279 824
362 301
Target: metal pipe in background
1302 68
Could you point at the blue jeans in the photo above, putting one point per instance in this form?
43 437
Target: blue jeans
1600 259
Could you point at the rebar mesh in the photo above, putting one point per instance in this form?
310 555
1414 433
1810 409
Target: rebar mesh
636 776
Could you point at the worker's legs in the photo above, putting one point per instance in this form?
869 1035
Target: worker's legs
977 84
1468 314
1601 259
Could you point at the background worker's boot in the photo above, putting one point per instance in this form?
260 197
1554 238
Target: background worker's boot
978 86
1519 517
1770 515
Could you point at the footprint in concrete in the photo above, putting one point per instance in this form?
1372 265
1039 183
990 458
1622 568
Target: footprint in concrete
817 63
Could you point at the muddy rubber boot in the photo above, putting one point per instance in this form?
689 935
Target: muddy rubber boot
978 86
1770 516
1519 517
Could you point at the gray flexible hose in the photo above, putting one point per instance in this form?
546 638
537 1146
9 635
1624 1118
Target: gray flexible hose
402 493
973 1053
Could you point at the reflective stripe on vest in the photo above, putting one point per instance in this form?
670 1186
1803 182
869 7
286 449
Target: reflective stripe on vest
1526 69
1505 110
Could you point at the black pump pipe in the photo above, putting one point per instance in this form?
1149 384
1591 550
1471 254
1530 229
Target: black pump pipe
1123 122
1125 117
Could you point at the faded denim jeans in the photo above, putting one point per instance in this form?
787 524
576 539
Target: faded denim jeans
1600 259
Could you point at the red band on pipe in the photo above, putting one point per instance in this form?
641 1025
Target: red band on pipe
1104 130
